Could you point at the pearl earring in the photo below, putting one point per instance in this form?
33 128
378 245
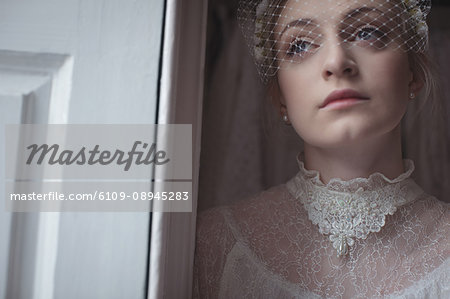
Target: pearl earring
412 95
285 118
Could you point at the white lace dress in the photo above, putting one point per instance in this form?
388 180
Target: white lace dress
363 238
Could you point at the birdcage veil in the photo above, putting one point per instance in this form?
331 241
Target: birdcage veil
284 33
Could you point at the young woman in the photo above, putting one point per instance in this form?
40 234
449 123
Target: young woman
351 223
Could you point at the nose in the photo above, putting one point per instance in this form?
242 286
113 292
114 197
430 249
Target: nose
338 62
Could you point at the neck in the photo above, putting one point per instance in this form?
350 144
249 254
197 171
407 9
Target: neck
359 160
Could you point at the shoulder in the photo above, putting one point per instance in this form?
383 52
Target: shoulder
440 211
434 285
212 227
428 220
267 208
429 210
223 220
433 213
218 231
218 225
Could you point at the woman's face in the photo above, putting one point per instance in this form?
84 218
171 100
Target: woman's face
339 92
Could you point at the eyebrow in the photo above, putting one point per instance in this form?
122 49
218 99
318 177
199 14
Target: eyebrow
299 23
361 10
348 15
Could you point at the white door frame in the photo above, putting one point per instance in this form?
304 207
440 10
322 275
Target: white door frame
181 98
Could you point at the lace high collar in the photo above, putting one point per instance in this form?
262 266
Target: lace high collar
345 210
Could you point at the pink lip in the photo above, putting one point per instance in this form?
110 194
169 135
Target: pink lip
343 98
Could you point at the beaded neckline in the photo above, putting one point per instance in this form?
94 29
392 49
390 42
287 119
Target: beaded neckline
345 210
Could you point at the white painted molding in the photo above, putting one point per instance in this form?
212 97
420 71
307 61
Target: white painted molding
181 98
43 82
27 74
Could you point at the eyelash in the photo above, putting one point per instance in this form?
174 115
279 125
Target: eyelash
297 43
379 34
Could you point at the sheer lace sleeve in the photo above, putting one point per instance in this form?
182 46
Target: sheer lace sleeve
214 241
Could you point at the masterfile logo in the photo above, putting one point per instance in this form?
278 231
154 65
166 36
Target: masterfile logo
99 151
52 155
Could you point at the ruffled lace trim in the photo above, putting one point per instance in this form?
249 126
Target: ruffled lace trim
345 215
352 185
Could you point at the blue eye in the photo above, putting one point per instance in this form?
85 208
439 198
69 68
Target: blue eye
369 34
300 47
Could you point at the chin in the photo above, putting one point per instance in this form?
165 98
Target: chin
338 139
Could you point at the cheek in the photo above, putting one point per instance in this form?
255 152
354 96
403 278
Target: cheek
300 97
296 88
389 84
390 75
297 94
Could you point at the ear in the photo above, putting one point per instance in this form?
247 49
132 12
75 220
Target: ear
416 83
417 79
277 98
283 110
